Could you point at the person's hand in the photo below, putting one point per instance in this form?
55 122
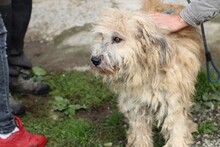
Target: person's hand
172 23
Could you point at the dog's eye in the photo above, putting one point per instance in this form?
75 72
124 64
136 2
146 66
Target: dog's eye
116 40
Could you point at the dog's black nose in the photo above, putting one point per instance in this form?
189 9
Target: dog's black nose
96 60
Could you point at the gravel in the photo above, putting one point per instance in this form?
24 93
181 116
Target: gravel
213 139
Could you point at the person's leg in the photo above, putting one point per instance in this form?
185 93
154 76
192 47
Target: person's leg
19 65
6 12
21 14
12 132
17 26
7 123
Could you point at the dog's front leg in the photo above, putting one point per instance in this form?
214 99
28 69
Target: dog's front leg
177 127
140 128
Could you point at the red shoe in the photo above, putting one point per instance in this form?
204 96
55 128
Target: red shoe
22 138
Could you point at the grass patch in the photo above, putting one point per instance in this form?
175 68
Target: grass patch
80 88
204 87
62 132
207 94
114 129
207 127
57 117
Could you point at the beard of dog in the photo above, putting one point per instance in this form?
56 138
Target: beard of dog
153 72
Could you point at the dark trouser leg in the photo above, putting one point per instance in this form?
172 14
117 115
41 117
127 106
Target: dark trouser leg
6 11
19 65
6 118
16 17
21 13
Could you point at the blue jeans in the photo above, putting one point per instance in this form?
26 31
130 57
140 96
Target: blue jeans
7 123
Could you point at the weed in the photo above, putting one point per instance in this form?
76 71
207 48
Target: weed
80 88
63 105
38 73
207 127
62 133
207 94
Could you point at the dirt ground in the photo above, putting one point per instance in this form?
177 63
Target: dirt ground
48 56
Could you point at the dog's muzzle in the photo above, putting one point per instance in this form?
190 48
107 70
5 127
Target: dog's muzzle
96 60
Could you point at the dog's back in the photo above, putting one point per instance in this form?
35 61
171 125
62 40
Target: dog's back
151 6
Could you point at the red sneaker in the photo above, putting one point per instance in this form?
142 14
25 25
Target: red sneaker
22 138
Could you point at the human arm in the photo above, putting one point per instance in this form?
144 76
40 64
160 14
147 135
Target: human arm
195 13
199 11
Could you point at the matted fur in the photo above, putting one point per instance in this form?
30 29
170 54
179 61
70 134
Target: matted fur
153 72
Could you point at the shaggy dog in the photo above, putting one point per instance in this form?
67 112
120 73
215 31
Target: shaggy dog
154 72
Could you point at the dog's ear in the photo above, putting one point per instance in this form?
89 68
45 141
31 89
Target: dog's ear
151 38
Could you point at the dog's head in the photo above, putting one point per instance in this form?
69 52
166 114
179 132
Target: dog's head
127 40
